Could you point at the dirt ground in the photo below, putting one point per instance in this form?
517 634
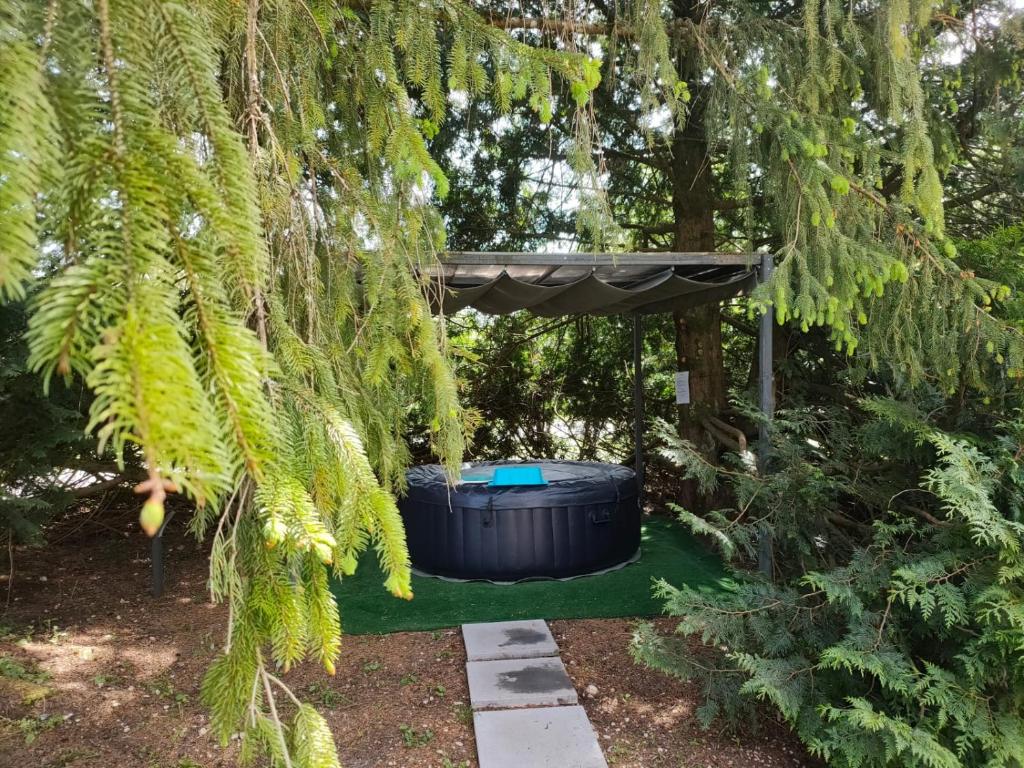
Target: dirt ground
96 673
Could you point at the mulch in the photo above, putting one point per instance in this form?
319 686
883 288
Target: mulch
122 671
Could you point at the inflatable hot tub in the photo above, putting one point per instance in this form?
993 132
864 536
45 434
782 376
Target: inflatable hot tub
585 519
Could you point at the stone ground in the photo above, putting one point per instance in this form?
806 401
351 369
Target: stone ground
508 640
509 683
526 711
120 671
548 737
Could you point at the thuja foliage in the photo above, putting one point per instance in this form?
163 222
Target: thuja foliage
891 632
223 213
554 388
41 440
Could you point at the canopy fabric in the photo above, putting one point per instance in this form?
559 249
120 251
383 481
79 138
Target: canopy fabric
556 290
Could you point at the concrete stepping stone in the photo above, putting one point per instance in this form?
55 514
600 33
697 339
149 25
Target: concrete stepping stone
508 640
508 683
545 737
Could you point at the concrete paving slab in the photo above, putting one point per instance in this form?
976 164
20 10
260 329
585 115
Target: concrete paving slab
508 640
545 737
508 683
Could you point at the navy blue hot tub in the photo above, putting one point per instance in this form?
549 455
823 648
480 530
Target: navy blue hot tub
586 519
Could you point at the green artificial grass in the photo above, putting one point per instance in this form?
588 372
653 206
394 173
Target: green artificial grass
668 552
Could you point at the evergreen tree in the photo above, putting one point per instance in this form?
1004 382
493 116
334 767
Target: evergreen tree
42 442
228 207
891 633
223 212
818 130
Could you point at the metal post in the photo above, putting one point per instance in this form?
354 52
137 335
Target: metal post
638 403
766 383
158 565
157 587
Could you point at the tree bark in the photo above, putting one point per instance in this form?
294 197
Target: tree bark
698 331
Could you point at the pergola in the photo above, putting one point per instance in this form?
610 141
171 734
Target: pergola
555 284
577 283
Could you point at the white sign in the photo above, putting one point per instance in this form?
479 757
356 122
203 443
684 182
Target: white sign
682 387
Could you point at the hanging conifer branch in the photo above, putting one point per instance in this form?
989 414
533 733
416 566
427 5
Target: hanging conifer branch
228 210
240 204
814 104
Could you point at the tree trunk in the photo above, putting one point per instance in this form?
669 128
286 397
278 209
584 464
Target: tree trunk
698 331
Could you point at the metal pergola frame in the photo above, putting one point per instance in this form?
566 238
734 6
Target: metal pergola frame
761 261
603 259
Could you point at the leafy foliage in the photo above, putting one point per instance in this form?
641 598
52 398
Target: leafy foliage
43 439
891 634
826 132
546 387
223 213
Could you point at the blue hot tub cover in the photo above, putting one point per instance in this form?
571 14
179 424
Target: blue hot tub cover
514 475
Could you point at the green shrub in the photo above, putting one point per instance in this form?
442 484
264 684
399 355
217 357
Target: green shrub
43 435
892 631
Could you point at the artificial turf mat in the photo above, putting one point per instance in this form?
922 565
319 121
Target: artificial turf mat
668 552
